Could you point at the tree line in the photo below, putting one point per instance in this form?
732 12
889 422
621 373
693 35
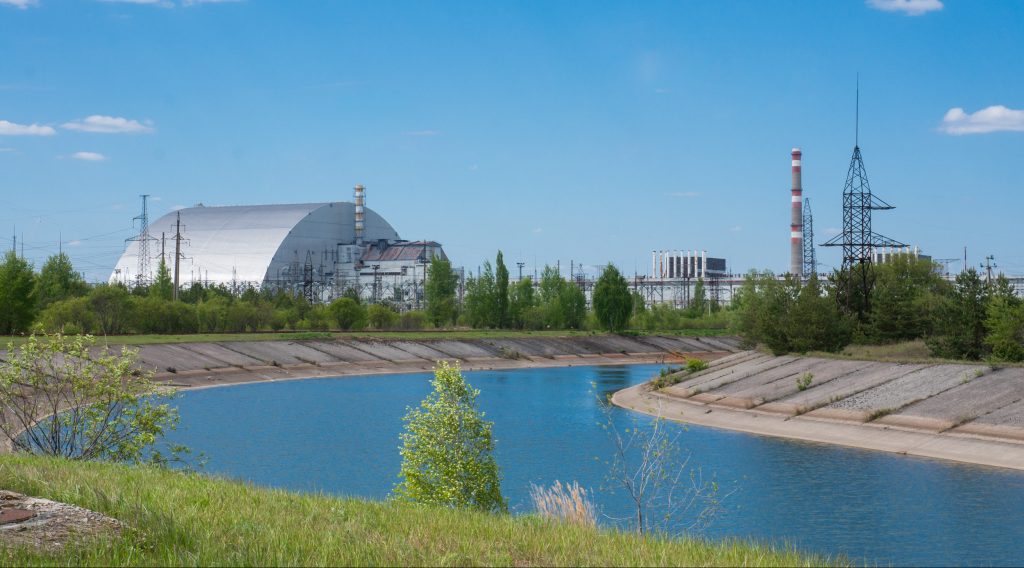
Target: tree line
907 299
57 298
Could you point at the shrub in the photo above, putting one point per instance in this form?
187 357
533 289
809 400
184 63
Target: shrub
380 316
803 382
696 365
447 449
116 410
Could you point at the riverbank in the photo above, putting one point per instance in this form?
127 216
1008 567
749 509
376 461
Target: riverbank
212 364
965 413
176 519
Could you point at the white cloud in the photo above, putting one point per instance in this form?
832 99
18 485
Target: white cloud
177 207
538 231
833 231
991 119
12 129
908 7
108 125
662 91
736 229
89 156
421 133
2 150
74 243
687 194
198 2
22 4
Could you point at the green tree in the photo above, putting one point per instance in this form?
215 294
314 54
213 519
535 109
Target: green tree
17 295
699 303
571 307
501 300
521 300
380 316
762 306
447 449
163 286
613 304
903 298
959 324
115 411
481 299
439 293
58 281
1005 322
110 303
347 313
814 321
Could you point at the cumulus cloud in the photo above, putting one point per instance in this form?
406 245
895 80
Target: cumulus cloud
991 119
13 129
108 125
908 7
22 4
89 156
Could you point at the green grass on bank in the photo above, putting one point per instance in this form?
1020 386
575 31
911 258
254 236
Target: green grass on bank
907 352
176 519
152 339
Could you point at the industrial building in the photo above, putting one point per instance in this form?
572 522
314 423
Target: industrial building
317 249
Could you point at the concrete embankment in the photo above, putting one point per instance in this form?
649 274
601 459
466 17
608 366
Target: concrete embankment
968 413
200 365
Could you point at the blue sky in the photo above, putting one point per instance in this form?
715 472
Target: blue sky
583 131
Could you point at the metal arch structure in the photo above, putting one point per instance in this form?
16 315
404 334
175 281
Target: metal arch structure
260 243
810 254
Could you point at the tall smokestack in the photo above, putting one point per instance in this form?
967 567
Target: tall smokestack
796 226
360 199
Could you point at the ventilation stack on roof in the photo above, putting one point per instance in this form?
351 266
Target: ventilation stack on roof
360 199
796 227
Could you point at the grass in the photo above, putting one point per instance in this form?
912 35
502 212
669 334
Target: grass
188 519
152 339
911 352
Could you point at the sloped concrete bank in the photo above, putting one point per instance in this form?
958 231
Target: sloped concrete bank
203 365
967 413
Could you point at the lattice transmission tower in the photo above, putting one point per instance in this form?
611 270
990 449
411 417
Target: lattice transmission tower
810 255
144 274
858 240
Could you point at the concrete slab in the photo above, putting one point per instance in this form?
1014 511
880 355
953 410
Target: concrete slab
713 379
1011 415
382 350
421 350
462 349
229 357
963 403
852 377
921 383
268 352
342 351
177 357
750 391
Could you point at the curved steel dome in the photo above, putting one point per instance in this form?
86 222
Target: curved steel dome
251 243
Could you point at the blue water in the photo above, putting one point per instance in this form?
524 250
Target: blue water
341 436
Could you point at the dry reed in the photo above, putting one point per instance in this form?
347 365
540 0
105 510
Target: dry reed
567 503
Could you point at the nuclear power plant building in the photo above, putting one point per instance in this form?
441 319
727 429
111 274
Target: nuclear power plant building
320 250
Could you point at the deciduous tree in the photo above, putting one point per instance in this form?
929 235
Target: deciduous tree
447 449
613 304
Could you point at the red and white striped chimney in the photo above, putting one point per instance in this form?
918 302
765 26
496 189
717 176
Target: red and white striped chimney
796 226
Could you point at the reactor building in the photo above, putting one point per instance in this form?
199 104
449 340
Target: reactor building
320 250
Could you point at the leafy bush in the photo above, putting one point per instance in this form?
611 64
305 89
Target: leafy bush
447 449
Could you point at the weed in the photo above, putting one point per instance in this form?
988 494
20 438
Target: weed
875 415
804 381
696 365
